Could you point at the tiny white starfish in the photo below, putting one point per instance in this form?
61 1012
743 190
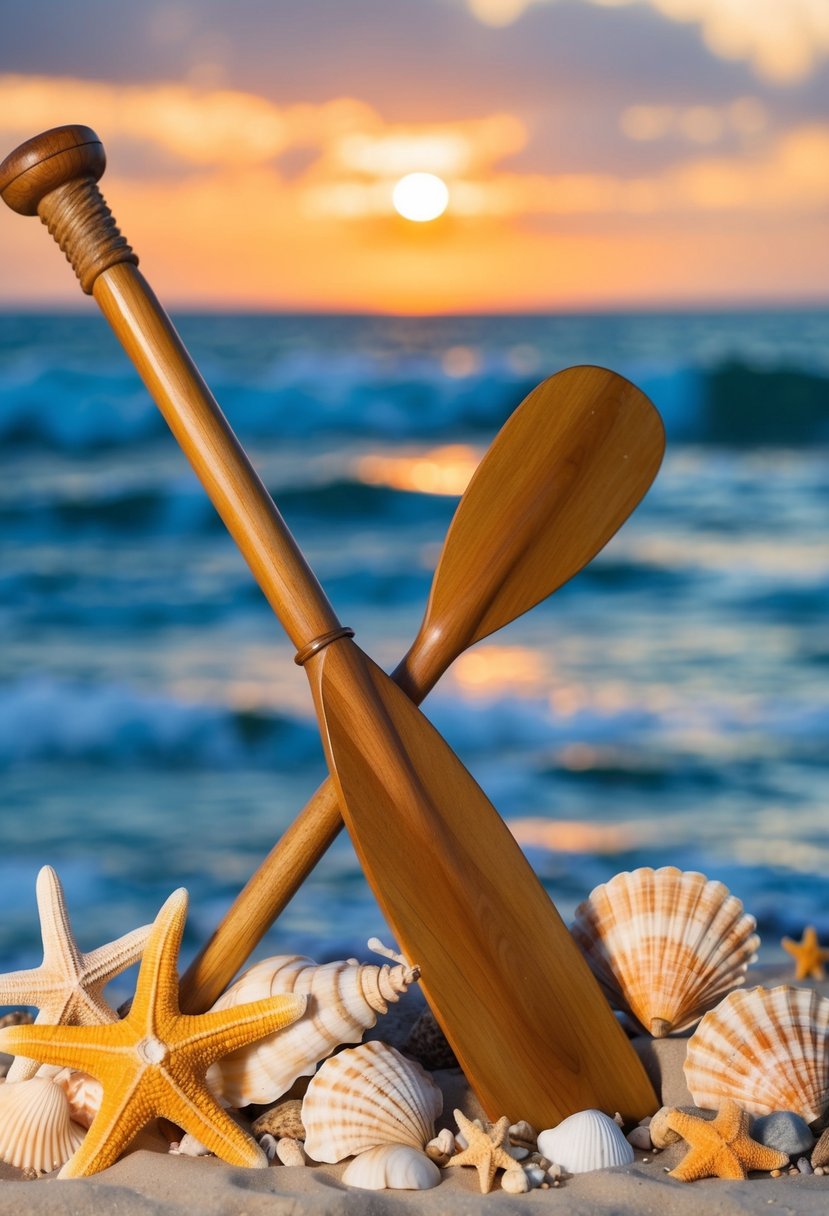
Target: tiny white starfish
67 987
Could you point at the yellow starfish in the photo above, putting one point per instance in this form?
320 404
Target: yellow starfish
808 955
485 1148
68 985
721 1148
153 1063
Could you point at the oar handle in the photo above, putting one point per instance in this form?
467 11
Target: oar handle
55 176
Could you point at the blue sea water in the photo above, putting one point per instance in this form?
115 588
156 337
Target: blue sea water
669 705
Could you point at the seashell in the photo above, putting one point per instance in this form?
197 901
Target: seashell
515 1182
588 1140
289 1151
523 1135
344 999
441 1148
83 1093
366 1096
282 1120
666 945
394 1167
767 1048
36 1132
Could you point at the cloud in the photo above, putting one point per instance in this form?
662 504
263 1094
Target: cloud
785 40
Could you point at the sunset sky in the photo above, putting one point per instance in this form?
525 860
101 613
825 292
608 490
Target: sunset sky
597 153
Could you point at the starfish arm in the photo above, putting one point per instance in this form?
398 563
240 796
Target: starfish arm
208 1036
121 1115
32 987
101 965
695 1164
156 991
190 1105
60 949
82 1048
761 1157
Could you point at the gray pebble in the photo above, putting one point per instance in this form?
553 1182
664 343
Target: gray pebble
805 1165
784 1130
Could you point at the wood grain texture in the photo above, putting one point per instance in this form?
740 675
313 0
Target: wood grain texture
530 528
511 991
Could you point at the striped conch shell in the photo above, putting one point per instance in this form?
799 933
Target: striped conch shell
367 1096
36 1131
666 945
767 1048
344 999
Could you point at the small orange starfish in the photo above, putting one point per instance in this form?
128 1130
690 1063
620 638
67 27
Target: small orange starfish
153 1063
484 1149
808 955
721 1148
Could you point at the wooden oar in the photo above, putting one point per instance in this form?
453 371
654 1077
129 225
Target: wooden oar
516 1000
540 506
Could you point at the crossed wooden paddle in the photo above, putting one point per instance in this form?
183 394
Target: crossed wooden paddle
510 989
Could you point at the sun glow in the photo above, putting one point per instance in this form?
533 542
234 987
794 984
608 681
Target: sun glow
420 197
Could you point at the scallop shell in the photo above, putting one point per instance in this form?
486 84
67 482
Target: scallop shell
767 1048
587 1140
666 945
344 999
366 1096
393 1167
36 1131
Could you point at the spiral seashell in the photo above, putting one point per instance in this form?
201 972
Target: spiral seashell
36 1132
666 945
392 1167
366 1096
344 1000
767 1048
587 1140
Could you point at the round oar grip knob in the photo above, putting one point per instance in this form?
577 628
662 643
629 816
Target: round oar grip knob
54 176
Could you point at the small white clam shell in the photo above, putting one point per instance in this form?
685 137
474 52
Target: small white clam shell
395 1167
36 1131
515 1182
587 1140
366 1096
343 1002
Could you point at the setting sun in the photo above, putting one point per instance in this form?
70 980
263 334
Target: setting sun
420 197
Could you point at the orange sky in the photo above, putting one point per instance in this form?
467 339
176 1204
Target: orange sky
615 180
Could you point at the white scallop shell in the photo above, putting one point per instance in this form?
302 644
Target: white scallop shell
587 1140
36 1131
666 945
393 1167
344 999
366 1096
767 1048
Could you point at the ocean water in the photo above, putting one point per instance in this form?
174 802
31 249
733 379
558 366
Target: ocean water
669 705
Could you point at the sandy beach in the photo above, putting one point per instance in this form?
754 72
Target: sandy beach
149 1181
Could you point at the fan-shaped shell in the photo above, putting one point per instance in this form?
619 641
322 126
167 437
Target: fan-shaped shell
36 1131
666 945
344 999
767 1048
393 1167
366 1096
587 1140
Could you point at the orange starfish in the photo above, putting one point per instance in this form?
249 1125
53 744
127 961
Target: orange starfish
808 955
721 1148
153 1063
484 1149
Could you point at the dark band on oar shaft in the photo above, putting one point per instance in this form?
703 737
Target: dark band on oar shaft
302 656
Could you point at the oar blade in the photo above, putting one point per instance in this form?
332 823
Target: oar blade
582 450
523 1013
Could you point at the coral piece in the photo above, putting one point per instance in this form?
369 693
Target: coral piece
67 987
665 944
153 1062
36 1130
721 1148
587 1140
486 1148
343 1002
366 1096
808 955
767 1048
393 1167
